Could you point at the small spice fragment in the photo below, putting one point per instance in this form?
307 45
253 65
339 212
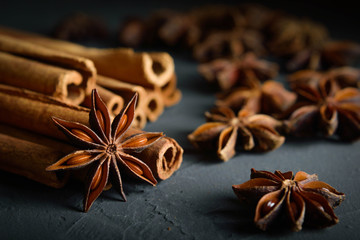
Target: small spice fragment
228 131
302 198
247 71
106 149
324 107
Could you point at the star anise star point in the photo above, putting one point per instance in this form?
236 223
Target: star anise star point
105 149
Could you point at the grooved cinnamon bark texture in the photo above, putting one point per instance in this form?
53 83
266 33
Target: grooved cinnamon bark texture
58 82
28 154
120 63
56 57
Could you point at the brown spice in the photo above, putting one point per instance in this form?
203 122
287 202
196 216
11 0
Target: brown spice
228 131
107 148
271 98
247 71
324 106
80 27
303 197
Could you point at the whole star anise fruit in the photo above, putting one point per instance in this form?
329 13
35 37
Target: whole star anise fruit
302 198
104 148
270 98
247 71
326 108
228 132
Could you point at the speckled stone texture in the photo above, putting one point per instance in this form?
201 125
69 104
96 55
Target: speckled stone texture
197 202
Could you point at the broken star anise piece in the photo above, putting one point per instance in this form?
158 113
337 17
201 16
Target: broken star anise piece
325 107
105 148
247 71
228 131
303 198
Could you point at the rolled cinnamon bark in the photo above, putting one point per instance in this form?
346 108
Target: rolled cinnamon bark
170 94
113 101
120 63
28 154
154 105
167 153
127 91
48 56
47 79
32 111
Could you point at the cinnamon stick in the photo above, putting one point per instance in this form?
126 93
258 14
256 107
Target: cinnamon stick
32 111
167 153
170 94
121 63
53 57
126 91
113 101
50 80
154 105
28 154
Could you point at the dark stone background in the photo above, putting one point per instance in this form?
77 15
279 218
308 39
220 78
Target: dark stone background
197 202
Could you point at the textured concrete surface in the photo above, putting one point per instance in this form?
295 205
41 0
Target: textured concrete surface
197 202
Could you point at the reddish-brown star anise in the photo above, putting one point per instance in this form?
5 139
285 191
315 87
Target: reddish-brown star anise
303 197
325 107
80 27
289 36
343 76
270 98
228 131
246 71
331 54
105 148
229 44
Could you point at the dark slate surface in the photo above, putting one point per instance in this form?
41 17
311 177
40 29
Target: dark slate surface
197 202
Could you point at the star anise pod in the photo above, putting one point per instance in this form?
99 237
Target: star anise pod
228 132
331 54
289 36
80 27
247 71
325 107
343 76
302 198
104 149
229 44
270 98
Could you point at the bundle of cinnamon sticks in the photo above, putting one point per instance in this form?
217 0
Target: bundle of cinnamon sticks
42 78
69 71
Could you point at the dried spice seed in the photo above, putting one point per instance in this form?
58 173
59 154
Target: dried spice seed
107 149
302 198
